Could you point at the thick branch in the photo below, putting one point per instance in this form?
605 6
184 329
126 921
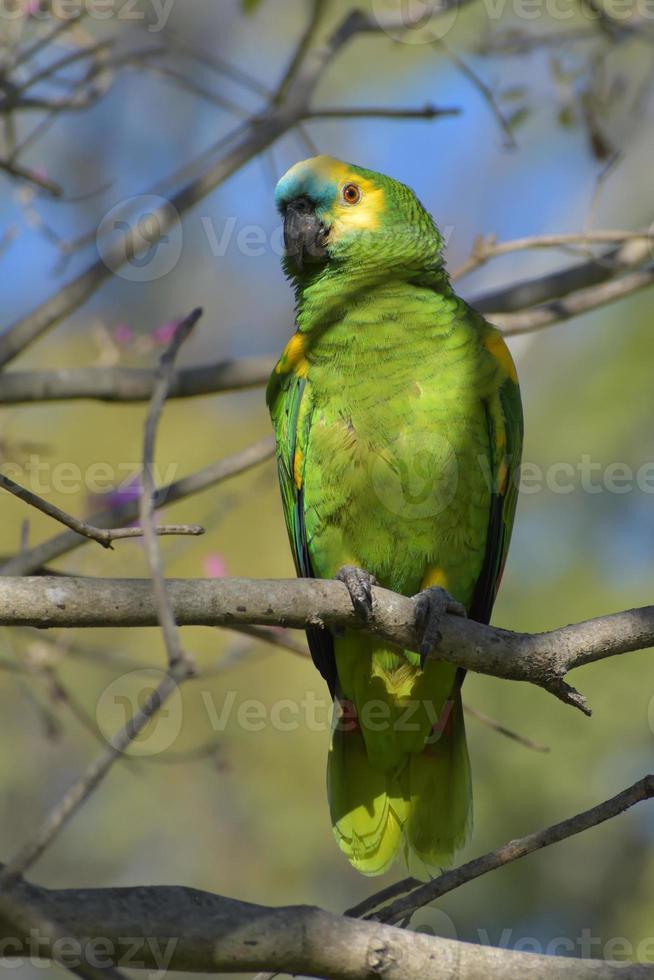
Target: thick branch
562 282
131 384
582 301
586 286
542 659
189 930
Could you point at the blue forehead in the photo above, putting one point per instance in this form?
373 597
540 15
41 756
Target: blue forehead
319 189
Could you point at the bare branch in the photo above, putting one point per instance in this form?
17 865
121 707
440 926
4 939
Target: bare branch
501 729
542 289
165 615
132 384
136 384
24 173
296 91
583 301
542 659
380 112
201 932
180 665
36 558
487 247
104 536
421 893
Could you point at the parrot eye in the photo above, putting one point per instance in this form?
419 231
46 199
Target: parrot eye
351 194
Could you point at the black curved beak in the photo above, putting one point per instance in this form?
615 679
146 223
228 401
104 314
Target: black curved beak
304 233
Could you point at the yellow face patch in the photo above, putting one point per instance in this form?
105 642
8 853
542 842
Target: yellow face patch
494 344
343 217
294 357
362 216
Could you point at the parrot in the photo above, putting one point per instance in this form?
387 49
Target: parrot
398 426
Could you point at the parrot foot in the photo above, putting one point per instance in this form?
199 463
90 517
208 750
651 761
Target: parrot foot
359 584
431 605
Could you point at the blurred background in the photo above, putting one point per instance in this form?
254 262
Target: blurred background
554 135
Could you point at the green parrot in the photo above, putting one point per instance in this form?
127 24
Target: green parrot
398 422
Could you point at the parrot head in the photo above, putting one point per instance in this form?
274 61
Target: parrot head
340 216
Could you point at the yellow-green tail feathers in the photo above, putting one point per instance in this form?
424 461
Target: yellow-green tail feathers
423 806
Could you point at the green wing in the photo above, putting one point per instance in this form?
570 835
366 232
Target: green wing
289 399
505 428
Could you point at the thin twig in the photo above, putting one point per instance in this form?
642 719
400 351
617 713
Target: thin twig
36 558
381 112
421 894
180 665
166 617
288 107
487 247
485 91
496 726
104 536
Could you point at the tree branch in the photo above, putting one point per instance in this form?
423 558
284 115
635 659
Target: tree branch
28 562
104 536
135 384
183 929
296 91
132 384
486 247
582 301
542 659
176 655
180 665
421 893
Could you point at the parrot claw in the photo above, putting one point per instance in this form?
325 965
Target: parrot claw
431 605
359 584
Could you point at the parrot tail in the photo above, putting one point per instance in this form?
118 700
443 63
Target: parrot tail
423 806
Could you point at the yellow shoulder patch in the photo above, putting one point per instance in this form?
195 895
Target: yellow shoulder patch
293 357
298 463
495 345
434 577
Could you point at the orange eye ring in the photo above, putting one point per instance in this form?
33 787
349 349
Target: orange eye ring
351 194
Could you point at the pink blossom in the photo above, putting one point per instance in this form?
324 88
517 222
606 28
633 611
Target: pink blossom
123 334
165 333
215 566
